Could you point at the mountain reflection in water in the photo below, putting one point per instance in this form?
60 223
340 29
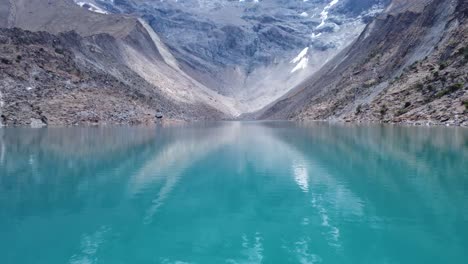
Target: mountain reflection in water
234 192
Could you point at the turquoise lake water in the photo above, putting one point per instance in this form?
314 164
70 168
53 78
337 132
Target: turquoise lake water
234 193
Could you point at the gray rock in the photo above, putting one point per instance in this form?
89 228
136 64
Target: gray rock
37 123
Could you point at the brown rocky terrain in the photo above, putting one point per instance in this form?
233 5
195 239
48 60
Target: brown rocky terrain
91 68
410 65
44 81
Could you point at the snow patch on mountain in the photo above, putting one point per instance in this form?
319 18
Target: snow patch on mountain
91 7
315 35
300 55
301 60
301 65
324 13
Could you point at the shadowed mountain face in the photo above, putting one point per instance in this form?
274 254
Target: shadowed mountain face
253 51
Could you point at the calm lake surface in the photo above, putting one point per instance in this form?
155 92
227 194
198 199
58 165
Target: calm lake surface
234 193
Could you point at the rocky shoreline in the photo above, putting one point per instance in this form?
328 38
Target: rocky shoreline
399 123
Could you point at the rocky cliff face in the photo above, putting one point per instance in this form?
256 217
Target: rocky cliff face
409 65
252 51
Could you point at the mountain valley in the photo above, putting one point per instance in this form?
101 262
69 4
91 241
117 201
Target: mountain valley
65 62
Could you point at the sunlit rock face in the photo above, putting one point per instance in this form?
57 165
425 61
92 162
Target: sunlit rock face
252 50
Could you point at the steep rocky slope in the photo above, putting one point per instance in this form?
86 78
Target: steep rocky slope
43 80
409 65
115 47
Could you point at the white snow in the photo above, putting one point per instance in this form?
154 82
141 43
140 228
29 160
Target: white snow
301 65
300 55
313 36
92 7
301 60
324 13
304 14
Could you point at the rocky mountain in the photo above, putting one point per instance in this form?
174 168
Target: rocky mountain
44 82
252 51
102 54
408 65
68 62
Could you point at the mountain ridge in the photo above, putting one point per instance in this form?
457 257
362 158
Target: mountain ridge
115 45
397 54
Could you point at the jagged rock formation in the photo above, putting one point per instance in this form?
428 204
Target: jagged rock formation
409 65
